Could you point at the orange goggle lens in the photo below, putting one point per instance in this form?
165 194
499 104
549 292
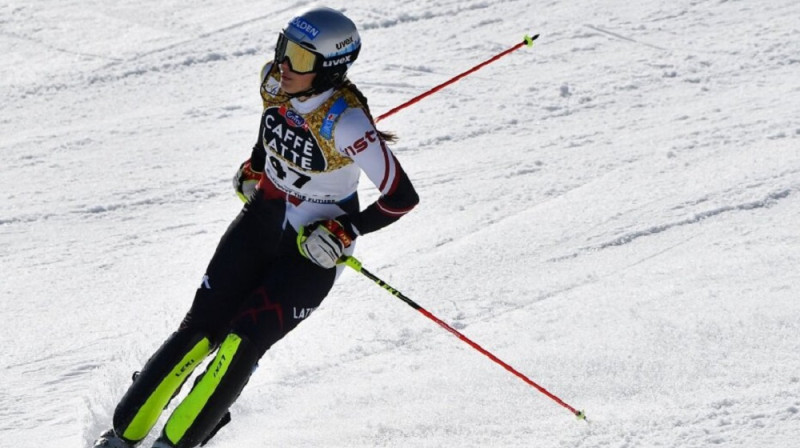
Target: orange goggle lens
301 59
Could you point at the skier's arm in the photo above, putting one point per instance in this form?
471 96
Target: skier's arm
250 172
356 137
259 156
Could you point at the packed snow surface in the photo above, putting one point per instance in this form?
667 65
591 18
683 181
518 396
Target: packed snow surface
614 212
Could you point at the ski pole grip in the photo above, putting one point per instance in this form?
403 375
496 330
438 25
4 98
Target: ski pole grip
351 261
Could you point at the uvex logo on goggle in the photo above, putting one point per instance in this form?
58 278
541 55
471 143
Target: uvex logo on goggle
339 61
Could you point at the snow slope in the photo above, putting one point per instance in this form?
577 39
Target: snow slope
614 212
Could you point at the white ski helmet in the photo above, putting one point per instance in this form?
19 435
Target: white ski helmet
332 40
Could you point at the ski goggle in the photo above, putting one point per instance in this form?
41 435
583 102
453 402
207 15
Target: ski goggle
301 59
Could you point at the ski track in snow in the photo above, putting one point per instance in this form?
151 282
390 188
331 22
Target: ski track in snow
612 212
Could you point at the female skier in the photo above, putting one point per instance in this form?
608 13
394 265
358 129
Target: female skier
278 259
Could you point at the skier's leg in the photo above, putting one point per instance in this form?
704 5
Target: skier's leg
198 415
240 260
208 402
235 269
158 382
293 289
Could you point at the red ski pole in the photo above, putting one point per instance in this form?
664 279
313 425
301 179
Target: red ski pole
527 41
356 265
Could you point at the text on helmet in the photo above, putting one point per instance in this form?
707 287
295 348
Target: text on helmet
308 29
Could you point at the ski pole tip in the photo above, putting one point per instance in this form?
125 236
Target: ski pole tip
529 40
581 416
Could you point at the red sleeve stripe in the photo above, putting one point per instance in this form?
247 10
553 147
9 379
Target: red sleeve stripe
390 173
393 211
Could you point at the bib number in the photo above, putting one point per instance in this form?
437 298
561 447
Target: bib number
281 171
